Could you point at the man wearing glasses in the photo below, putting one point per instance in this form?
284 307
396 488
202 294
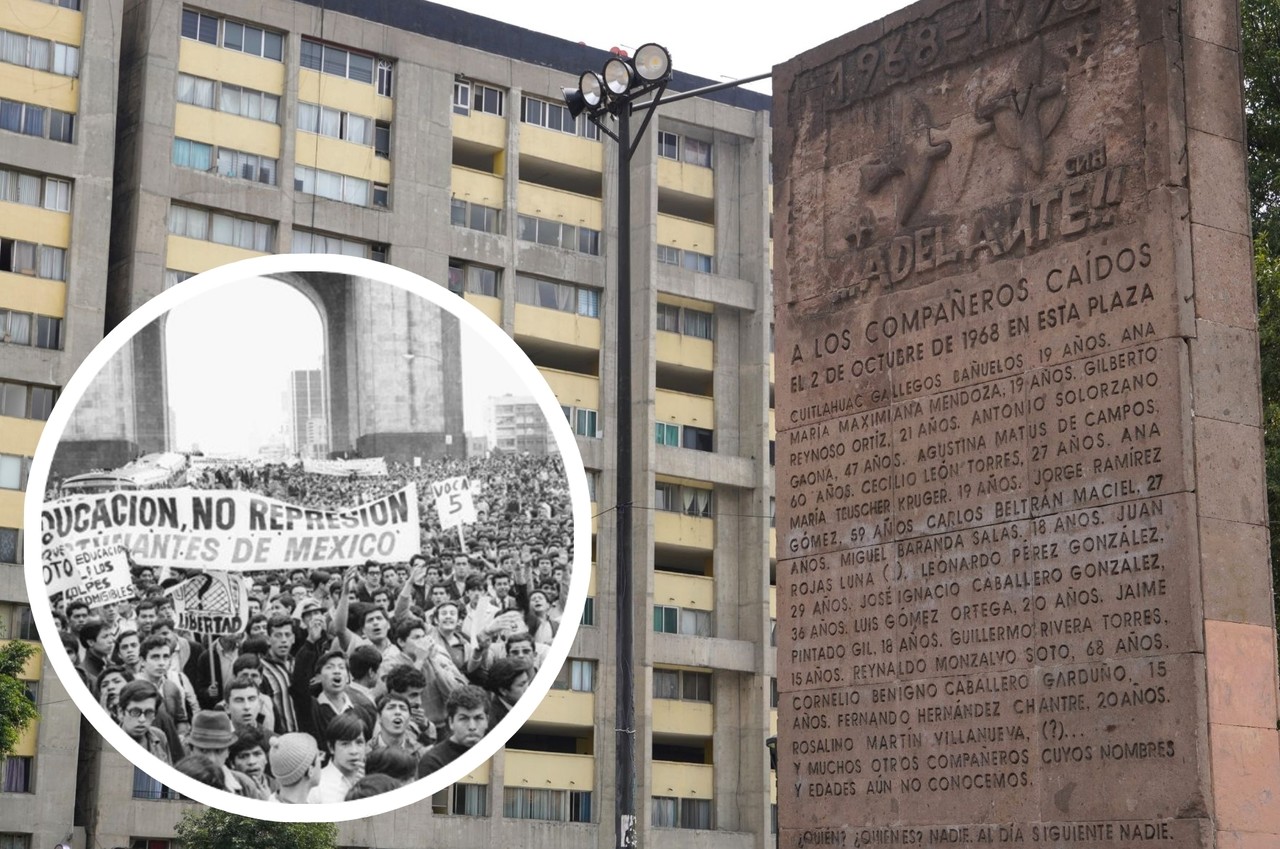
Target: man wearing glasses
137 711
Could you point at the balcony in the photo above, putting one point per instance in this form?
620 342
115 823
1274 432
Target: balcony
686 178
695 591
682 719
41 88
696 781
687 235
35 224
690 352
479 187
330 90
559 205
555 146
566 708
548 770
341 157
481 128
560 329
573 389
194 255
683 531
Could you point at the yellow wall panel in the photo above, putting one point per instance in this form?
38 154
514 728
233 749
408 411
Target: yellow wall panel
11 502
41 19
183 254
40 87
685 531
32 294
573 390
553 204
672 716
566 707
492 307
19 436
689 351
685 178
341 157
561 147
482 128
694 781
544 770
225 130
232 66
688 235
565 328
695 591
683 408
479 775
478 187
344 94
35 224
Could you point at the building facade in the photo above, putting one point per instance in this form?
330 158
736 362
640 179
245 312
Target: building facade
438 141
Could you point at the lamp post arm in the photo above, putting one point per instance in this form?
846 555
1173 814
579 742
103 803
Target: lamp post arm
698 92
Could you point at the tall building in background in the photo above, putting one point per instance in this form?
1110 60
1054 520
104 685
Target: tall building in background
518 425
438 141
308 414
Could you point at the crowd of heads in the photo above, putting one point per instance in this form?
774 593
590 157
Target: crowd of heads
349 681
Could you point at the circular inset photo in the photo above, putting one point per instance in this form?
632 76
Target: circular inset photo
314 538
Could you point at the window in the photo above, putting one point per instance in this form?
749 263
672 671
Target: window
666 434
773 633
697 438
39 54
668 145
348 126
221 228
674 498
8 840
773 692
246 166
146 787
589 611
173 277
26 401
476 279
583 421
557 234
682 685
542 804
474 216
685 320
22 626
461 97
15 327
225 97
470 800
469 97
577 675
773 510
381 195
326 184
192 154
48 333
33 260
31 120
18 775
555 116
686 259
57 194
669 812
9 546
66 4
13 471
307 242
668 316
685 149
553 295
668 619
382 139
233 35
341 62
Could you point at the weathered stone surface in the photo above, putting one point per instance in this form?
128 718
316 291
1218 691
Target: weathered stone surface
1002 432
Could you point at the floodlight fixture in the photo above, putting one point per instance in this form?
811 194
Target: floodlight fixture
592 89
617 76
652 62
573 99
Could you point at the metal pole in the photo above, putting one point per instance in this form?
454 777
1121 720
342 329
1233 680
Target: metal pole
626 734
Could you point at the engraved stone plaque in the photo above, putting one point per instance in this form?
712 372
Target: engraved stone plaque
992 336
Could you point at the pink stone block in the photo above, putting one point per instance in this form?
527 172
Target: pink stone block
1241 660
1246 778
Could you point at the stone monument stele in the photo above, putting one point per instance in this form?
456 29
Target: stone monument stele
1023 583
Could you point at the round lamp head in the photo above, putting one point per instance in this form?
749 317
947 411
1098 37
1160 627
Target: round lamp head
617 76
653 62
592 88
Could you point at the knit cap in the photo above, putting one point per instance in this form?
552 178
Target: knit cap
291 755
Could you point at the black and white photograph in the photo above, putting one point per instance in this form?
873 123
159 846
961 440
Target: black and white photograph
315 553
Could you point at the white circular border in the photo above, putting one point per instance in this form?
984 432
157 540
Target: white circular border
475 320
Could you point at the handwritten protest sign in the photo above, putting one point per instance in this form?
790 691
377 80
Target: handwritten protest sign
233 529
454 504
211 603
101 576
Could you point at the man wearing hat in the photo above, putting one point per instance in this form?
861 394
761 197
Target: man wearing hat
212 735
295 763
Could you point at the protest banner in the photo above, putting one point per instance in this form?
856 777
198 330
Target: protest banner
361 467
102 576
233 529
211 603
454 504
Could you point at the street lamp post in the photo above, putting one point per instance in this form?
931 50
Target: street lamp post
613 93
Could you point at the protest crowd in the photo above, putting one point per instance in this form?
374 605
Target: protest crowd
344 680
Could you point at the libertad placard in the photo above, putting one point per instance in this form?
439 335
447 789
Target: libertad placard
998 304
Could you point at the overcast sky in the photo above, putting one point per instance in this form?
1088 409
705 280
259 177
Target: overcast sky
712 40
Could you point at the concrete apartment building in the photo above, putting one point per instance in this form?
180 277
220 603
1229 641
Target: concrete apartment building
437 141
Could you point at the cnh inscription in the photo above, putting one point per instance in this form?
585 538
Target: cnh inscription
988 570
